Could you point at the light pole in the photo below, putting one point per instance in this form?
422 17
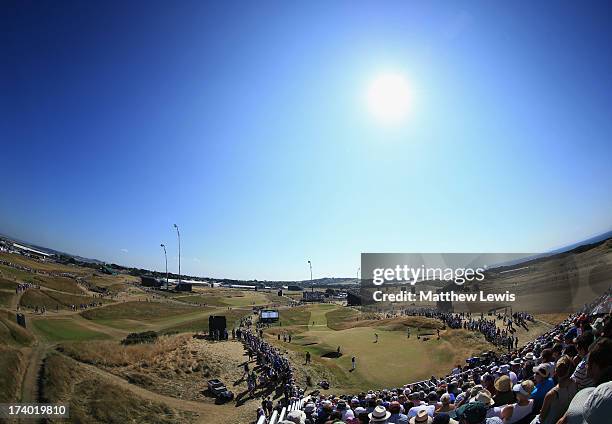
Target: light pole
178 234
311 286
358 271
166 257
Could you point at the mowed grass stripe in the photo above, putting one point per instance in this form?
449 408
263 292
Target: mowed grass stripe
51 299
141 316
62 329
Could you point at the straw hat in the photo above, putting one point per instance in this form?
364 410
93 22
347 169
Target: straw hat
503 384
483 396
379 414
422 417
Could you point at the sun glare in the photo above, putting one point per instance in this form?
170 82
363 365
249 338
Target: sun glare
389 99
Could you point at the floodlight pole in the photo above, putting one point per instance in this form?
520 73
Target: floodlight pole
358 271
311 286
166 257
178 234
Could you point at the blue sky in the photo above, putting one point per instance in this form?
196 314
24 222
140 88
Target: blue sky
246 124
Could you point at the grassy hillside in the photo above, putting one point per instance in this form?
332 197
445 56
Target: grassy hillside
138 311
50 299
99 400
201 323
12 334
62 284
6 297
12 365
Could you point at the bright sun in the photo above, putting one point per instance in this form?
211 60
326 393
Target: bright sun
389 98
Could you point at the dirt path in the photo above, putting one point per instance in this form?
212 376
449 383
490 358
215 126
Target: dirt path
29 384
15 301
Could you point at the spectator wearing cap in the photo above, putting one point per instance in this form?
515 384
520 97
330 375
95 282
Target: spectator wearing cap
296 417
503 387
310 410
580 376
523 406
543 384
362 414
484 397
346 413
527 368
443 418
559 397
505 370
396 416
379 415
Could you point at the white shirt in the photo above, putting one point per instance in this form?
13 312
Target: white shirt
415 409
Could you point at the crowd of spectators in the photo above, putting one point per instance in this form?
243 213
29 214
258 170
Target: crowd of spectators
562 377
273 370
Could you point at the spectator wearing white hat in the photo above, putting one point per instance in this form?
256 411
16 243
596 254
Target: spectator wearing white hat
523 406
543 384
422 417
379 415
505 370
296 417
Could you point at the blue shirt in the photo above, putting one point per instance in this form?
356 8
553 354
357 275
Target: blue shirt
540 391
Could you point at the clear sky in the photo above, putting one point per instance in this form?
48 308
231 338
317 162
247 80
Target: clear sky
246 124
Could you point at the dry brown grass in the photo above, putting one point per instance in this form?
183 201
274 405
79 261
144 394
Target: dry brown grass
41 266
113 354
552 319
12 334
176 366
92 399
391 324
12 367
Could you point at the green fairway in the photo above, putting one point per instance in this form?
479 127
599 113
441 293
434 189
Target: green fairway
392 361
52 299
6 284
201 323
64 329
143 316
225 297
139 311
